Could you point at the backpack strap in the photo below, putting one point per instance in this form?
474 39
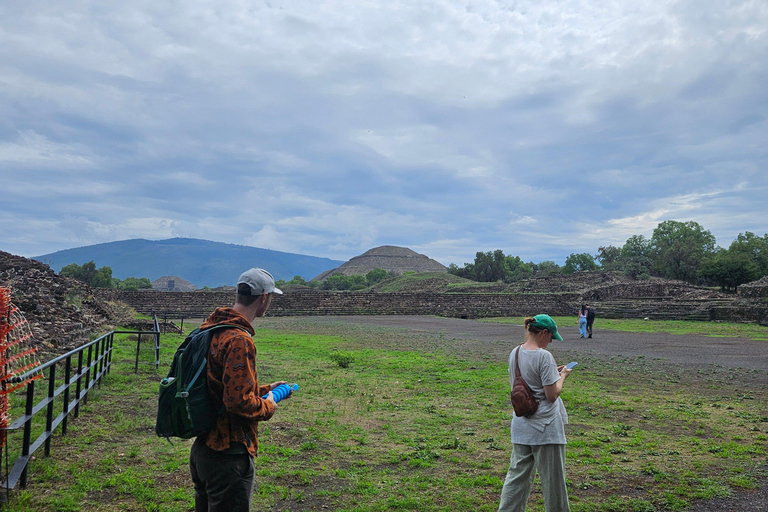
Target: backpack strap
225 326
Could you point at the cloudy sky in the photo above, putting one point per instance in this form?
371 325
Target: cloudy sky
542 128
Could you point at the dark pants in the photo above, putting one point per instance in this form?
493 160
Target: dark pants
223 481
589 327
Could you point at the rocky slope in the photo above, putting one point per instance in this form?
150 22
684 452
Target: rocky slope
61 311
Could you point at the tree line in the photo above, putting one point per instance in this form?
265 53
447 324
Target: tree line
102 277
351 282
676 250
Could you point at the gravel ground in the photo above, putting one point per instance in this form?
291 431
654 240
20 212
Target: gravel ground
696 352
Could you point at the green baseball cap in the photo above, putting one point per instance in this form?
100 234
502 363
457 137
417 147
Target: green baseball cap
546 322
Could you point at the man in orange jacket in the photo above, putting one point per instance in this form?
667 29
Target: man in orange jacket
221 461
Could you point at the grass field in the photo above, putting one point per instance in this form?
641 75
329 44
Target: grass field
414 422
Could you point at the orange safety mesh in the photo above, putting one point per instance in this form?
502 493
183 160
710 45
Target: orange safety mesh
17 355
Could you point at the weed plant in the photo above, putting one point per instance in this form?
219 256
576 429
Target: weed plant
417 422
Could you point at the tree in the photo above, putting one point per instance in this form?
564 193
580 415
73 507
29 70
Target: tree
609 257
72 270
490 266
516 269
546 268
89 274
755 247
679 249
343 282
467 271
376 275
102 278
493 266
635 257
729 269
579 263
133 284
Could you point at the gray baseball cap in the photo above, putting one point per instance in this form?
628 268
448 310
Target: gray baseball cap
260 281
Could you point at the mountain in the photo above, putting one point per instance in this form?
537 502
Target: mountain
201 262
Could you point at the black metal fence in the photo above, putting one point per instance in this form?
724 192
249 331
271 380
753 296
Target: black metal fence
156 348
84 368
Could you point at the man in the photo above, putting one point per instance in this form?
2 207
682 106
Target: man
221 461
590 320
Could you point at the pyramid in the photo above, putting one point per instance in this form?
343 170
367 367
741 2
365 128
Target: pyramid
397 260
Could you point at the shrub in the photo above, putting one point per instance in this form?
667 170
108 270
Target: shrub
343 359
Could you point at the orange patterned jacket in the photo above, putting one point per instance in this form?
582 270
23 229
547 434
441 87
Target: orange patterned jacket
232 380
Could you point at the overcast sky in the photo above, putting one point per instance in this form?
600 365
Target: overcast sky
542 128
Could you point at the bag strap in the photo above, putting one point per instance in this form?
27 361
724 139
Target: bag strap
517 364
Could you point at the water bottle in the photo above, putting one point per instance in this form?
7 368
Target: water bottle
282 391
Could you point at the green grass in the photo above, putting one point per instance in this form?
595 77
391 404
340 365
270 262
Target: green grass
414 422
717 329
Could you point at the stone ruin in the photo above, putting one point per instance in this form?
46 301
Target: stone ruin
62 311
755 289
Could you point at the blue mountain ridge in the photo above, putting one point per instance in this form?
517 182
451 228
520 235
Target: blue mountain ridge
201 262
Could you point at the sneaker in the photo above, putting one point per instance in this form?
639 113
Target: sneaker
589 336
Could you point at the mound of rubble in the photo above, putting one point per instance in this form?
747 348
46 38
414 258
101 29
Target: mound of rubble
61 311
755 289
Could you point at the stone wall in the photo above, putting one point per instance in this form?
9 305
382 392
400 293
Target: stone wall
457 305
312 303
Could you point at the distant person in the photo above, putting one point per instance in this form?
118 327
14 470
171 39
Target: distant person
590 320
538 440
583 321
221 461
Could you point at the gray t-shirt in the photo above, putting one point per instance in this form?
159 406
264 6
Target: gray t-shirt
547 424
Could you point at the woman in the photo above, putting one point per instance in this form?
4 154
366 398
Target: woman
583 321
539 439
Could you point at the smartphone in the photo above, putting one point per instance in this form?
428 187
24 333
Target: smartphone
571 365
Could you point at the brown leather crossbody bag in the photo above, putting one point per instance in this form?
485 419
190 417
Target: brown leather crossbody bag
523 401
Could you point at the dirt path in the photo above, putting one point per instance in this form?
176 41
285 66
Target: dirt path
748 359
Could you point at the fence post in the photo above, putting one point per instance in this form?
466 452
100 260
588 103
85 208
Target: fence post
79 382
98 362
88 373
138 348
27 429
111 345
67 378
49 407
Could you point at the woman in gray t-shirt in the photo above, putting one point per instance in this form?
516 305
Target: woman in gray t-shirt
538 440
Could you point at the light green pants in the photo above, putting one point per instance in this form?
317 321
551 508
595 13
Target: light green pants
549 459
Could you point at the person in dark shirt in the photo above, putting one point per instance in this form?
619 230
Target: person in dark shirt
590 320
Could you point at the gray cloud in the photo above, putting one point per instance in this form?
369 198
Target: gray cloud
539 128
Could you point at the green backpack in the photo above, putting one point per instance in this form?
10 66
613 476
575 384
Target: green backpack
183 408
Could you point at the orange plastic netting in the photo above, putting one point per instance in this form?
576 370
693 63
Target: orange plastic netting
17 355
